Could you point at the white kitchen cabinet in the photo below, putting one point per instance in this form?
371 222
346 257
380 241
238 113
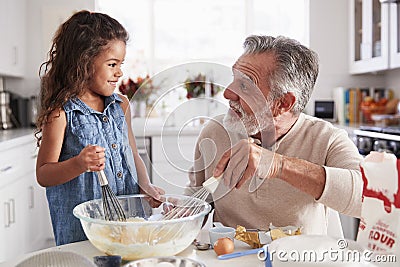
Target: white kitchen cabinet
374 36
172 156
13 43
369 36
394 61
15 216
24 218
39 233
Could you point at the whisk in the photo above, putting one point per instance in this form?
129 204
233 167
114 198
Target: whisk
111 206
191 205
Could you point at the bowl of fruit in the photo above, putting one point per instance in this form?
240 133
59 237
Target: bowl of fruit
370 107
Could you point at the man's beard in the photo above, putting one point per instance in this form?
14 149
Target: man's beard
247 124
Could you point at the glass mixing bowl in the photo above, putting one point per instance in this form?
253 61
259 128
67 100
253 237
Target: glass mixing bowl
144 234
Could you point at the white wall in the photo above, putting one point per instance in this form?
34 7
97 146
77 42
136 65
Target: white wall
329 37
43 18
393 80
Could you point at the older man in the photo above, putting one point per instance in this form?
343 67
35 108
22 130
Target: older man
277 164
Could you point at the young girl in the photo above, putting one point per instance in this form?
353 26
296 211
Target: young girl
82 123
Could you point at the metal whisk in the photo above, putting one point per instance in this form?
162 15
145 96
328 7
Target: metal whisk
191 206
111 206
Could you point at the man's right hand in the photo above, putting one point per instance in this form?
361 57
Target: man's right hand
246 160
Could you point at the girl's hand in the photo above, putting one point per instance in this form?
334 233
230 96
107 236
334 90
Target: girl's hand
153 191
92 158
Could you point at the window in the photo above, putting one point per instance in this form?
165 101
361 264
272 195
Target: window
165 33
205 30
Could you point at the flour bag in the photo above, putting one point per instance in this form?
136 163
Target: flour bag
379 228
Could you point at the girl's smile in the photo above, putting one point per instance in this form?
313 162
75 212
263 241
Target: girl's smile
107 68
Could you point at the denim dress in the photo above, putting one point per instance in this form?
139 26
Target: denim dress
86 126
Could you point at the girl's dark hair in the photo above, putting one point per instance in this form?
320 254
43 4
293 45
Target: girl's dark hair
69 66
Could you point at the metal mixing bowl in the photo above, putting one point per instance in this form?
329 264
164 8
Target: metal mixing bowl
144 234
165 261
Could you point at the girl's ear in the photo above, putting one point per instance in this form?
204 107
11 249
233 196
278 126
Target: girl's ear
286 103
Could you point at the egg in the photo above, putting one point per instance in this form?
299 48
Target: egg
224 245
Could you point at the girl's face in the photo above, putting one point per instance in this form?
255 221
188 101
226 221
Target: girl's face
107 68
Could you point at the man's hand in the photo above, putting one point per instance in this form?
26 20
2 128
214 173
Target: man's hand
246 160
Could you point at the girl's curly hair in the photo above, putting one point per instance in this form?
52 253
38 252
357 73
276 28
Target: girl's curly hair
69 67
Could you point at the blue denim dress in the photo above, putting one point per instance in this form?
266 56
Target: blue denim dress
86 126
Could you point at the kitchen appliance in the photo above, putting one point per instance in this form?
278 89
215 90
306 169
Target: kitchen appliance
6 115
32 110
24 109
325 110
378 138
19 106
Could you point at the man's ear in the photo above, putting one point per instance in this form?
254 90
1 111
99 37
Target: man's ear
286 103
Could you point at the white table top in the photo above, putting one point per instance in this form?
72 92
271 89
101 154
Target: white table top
208 257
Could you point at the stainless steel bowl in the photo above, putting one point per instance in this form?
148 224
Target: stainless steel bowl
143 234
165 261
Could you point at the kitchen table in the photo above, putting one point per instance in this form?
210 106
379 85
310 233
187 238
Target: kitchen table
208 257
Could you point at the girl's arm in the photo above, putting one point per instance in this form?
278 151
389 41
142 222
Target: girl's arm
143 177
49 171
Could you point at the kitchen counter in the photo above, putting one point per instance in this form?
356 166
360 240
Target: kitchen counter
208 257
14 137
167 131
143 127
349 128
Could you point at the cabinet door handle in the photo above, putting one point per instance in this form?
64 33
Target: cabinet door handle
15 50
7 214
32 197
12 210
5 169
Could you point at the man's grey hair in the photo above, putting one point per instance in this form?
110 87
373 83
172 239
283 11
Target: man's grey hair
296 67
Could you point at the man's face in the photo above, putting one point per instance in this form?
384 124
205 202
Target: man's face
250 111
